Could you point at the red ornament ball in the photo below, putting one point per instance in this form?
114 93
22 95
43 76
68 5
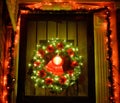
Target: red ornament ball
42 73
41 52
50 48
60 46
48 81
70 72
36 63
74 63
70 52
62 80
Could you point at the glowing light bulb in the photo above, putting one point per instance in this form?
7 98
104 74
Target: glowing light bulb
57 60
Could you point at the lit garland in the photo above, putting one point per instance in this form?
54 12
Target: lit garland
10 75
63 5
55 65
109 58
9 78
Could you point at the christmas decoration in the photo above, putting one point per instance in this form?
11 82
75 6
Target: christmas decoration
109 59
41 53
55 65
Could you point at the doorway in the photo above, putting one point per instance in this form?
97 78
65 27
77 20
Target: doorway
73 26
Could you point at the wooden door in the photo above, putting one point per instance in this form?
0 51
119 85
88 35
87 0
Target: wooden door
73 27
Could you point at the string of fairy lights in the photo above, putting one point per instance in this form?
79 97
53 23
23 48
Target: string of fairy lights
109 58
10 77
10 68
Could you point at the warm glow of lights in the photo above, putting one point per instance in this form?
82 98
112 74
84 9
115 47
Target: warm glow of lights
114 56
6 63
106 40
62 5
109 85
5 80
57 60
104 26
58 0
4 97
17 31
37 5
47 3
16 39
24 12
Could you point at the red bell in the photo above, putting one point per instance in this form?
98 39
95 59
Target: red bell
55 66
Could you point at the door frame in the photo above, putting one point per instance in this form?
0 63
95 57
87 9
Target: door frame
21 98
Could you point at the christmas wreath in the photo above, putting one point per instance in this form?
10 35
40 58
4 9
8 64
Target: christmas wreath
55 65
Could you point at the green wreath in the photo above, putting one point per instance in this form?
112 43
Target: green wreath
55 65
